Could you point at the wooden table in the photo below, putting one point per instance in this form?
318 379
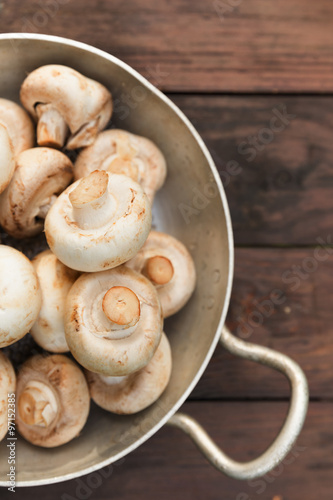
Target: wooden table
232 66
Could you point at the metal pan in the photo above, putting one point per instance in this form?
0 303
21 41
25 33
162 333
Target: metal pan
191 206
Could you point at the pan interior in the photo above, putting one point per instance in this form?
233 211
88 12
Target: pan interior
189 207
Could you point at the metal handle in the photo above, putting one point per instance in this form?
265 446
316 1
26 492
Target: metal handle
289 432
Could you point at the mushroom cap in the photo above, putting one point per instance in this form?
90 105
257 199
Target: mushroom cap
55 280
83 103
136 391
67 383
174 294
7 162
40 175
121 152
20 295
94 340
18 124
117 238
7 387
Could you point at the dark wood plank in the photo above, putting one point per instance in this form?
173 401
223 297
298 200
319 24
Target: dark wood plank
170 466
280 192
299 326
216 46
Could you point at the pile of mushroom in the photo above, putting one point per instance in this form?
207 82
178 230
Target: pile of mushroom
102 288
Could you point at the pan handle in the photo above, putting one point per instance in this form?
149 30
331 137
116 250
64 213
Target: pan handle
287 435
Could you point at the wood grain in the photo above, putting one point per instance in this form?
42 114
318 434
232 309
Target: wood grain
277 177
279 189
170 466
213 46
300 325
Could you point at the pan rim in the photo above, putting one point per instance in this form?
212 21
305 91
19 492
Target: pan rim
217 179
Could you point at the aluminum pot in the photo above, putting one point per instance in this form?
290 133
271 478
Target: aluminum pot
191 206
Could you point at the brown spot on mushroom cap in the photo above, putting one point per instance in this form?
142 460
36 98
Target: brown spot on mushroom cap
141 214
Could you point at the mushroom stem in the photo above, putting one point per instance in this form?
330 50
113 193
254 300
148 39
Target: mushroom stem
122 165
92 203
43 209
121 306
52 129
37 404
159 270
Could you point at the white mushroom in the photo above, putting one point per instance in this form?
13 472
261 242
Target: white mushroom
18 124
20 295
55 280
121 152
113 321
99 222
64 102
52 400
40 175
7 162
166 262
135 392
7 393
